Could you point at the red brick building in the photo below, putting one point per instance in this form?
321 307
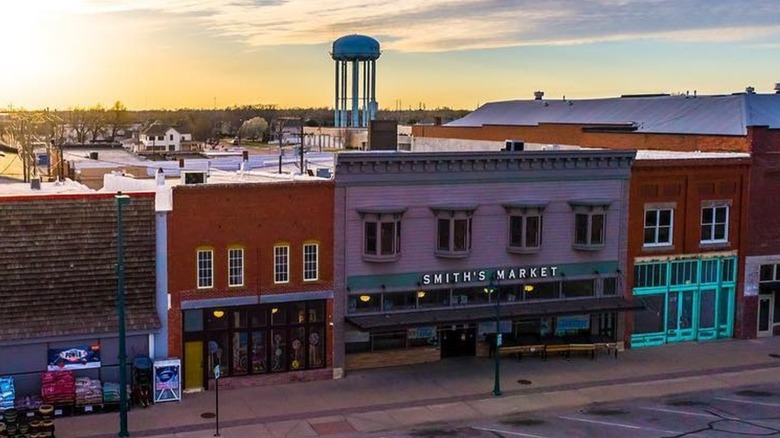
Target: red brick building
741 122
687 219
250 281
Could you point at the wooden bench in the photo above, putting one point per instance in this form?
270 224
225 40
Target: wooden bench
519 350
587 348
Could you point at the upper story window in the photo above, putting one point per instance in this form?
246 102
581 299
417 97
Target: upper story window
590 219
160 137
205 268
714 222
525 227
381 233
170 137
310 262
282 264
659 226
236 266
453 231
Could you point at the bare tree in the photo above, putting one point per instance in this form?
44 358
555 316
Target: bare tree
96 122
118 118
77 119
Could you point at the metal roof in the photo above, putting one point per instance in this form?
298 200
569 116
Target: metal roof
715 115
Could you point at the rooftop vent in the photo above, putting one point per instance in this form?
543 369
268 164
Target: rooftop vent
777 88
35 183
538 95
514 145
93 155
750 90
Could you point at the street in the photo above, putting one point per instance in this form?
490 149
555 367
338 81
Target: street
746 411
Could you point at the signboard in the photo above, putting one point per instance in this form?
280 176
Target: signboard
216 372
74 358
167 381
571 324
499 340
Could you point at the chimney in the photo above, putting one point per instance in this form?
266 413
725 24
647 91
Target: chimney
245 155
181 163
160 177
35 183
777 87
538 95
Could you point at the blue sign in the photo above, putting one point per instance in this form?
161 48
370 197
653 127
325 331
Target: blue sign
216 372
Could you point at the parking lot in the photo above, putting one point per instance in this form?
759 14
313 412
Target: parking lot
745 412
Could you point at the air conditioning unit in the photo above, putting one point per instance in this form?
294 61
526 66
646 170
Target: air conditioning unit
514 145
193 177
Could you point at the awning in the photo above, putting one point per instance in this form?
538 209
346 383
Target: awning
462 315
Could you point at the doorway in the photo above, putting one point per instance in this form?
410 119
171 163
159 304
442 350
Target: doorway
459 341
680 324
193 364
765 315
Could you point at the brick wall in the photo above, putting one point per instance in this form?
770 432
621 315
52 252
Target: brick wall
255 217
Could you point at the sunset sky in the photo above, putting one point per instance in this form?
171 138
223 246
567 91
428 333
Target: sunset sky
456 53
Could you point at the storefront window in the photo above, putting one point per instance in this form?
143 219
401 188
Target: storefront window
297 348
217 352
316 350
685 272
651 318
609 286
193 320
258 352
258 317
421 336
239 319
316 311
707 305
578 288
278 316
433 298
471 296
239 347
364 303
388 341
544 291
399 301
278 348
216 320
297 313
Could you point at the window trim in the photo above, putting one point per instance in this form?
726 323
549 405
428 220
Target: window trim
231 249
316 246
524 211
379 216
658 209
453 214
286 273
590 208
204 250
714 205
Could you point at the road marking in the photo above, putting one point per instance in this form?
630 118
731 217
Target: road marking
675 411
528 435
627 426
748 402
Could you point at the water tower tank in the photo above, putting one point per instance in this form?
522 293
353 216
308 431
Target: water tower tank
355 48
355 103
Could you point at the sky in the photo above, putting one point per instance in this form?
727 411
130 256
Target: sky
165 54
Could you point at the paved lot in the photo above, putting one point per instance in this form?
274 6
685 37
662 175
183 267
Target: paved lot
739 412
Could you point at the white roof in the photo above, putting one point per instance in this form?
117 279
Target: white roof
47 188
675 155
716 115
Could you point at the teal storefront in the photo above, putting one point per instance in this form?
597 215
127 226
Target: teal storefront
684 300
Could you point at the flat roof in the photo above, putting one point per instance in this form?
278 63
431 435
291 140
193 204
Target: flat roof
67 186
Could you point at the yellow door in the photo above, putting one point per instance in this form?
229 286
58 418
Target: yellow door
193 364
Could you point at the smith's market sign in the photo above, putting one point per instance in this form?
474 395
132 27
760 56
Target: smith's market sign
458 277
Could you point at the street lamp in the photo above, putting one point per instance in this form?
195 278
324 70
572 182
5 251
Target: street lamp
121 201
217 372
496 353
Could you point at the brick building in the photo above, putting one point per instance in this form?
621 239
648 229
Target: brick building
686 223
250 280
741 122
58 282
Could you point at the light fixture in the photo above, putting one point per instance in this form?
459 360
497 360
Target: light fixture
365 298
219 313
274 310
528 288
421 294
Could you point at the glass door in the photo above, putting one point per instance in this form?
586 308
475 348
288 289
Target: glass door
680 317
765 316
707 325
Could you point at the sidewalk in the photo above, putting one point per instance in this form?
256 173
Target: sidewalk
452 389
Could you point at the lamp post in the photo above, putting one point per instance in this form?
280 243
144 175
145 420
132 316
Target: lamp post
121 201
496 354
217 373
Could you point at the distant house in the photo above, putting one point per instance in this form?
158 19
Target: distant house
160 137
